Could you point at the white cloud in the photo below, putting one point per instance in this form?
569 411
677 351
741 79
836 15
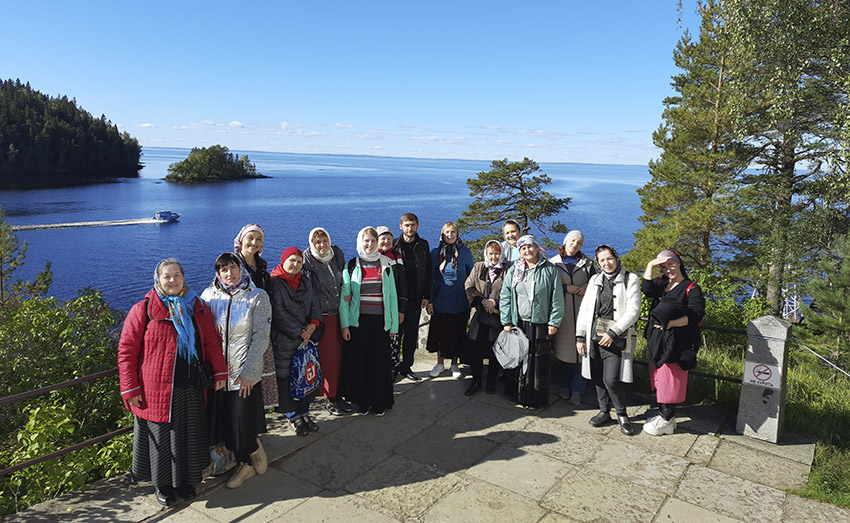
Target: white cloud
237 124
342 126
284 126
146 125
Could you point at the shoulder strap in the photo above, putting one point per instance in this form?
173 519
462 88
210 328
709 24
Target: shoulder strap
351 264
688 290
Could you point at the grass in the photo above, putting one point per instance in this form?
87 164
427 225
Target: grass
817 404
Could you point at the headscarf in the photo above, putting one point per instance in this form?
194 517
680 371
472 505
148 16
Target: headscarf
448 252
279 272
519 264
574 233
678 259
181 307
616 270
328 256
237 242
360 252
244 280
501 255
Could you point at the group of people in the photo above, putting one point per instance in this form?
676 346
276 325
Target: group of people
190 366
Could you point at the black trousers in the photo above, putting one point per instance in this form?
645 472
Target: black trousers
409 330
605 374
479 350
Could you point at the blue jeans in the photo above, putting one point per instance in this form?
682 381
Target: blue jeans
573 378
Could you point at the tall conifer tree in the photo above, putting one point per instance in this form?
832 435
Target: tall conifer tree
686 201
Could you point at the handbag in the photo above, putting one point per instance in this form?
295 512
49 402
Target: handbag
511 349
494 320
203 373
601 327
305 374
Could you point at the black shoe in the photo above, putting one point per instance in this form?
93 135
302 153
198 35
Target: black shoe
186 491
333 409
344 406
490 390
600 419
312 425
625 426
411 376
474 387
299 426
165 496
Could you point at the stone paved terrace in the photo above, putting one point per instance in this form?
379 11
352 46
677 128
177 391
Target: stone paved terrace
440 456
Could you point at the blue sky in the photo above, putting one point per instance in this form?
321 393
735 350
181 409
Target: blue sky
556 81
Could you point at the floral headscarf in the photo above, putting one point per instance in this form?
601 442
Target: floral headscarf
181 308
237 242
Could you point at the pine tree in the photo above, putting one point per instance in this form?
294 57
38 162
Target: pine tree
12 255
685 203
791 94
826 324
511 190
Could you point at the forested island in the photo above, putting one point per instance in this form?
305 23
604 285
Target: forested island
52 142
212 164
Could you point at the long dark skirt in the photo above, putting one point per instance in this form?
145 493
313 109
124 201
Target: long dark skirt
447 334
533 384
368 372
235 420
174 453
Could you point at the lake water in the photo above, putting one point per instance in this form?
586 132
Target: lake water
340 193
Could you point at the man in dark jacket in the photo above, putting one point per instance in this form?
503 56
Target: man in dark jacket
417 264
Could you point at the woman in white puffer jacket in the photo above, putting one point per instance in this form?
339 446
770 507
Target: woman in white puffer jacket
242 315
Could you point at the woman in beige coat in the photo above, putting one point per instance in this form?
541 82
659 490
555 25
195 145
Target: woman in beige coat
575 270
483 287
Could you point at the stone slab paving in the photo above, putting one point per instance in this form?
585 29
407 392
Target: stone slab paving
802 510
588 495
526 473
639 466
403 486
676 511
441 456
730 495
763 467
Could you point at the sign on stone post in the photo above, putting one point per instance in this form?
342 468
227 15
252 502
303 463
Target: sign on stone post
762 404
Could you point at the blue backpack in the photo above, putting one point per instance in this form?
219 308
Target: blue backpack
306 373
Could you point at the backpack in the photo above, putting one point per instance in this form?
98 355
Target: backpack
305 374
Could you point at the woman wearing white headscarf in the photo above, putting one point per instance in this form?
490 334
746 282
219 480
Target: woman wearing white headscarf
532 300
325 262
575 270
483 287
368 314
605 335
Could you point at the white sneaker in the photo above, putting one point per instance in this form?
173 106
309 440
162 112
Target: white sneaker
437 370
456 373
259 459
243 471
658 426
575 399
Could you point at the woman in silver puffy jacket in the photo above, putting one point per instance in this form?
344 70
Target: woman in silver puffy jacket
242 315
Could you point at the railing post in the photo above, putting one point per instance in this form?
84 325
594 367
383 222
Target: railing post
762 404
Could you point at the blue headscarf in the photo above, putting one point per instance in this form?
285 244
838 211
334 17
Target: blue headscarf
182 310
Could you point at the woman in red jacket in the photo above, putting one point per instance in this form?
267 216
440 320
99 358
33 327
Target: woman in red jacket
165 339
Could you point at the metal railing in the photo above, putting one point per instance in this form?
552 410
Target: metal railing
77 446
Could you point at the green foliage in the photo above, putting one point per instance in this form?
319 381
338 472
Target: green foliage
685 203
209 164
510 190
12 254
46 141
44 341
826 323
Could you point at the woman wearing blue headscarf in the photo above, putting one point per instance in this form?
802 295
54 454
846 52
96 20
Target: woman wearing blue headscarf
165 340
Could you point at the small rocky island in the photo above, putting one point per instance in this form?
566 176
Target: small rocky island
212 164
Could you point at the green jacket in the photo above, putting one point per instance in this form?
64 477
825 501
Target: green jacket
349 311
547 304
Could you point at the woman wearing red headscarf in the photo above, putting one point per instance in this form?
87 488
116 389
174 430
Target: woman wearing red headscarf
296 314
